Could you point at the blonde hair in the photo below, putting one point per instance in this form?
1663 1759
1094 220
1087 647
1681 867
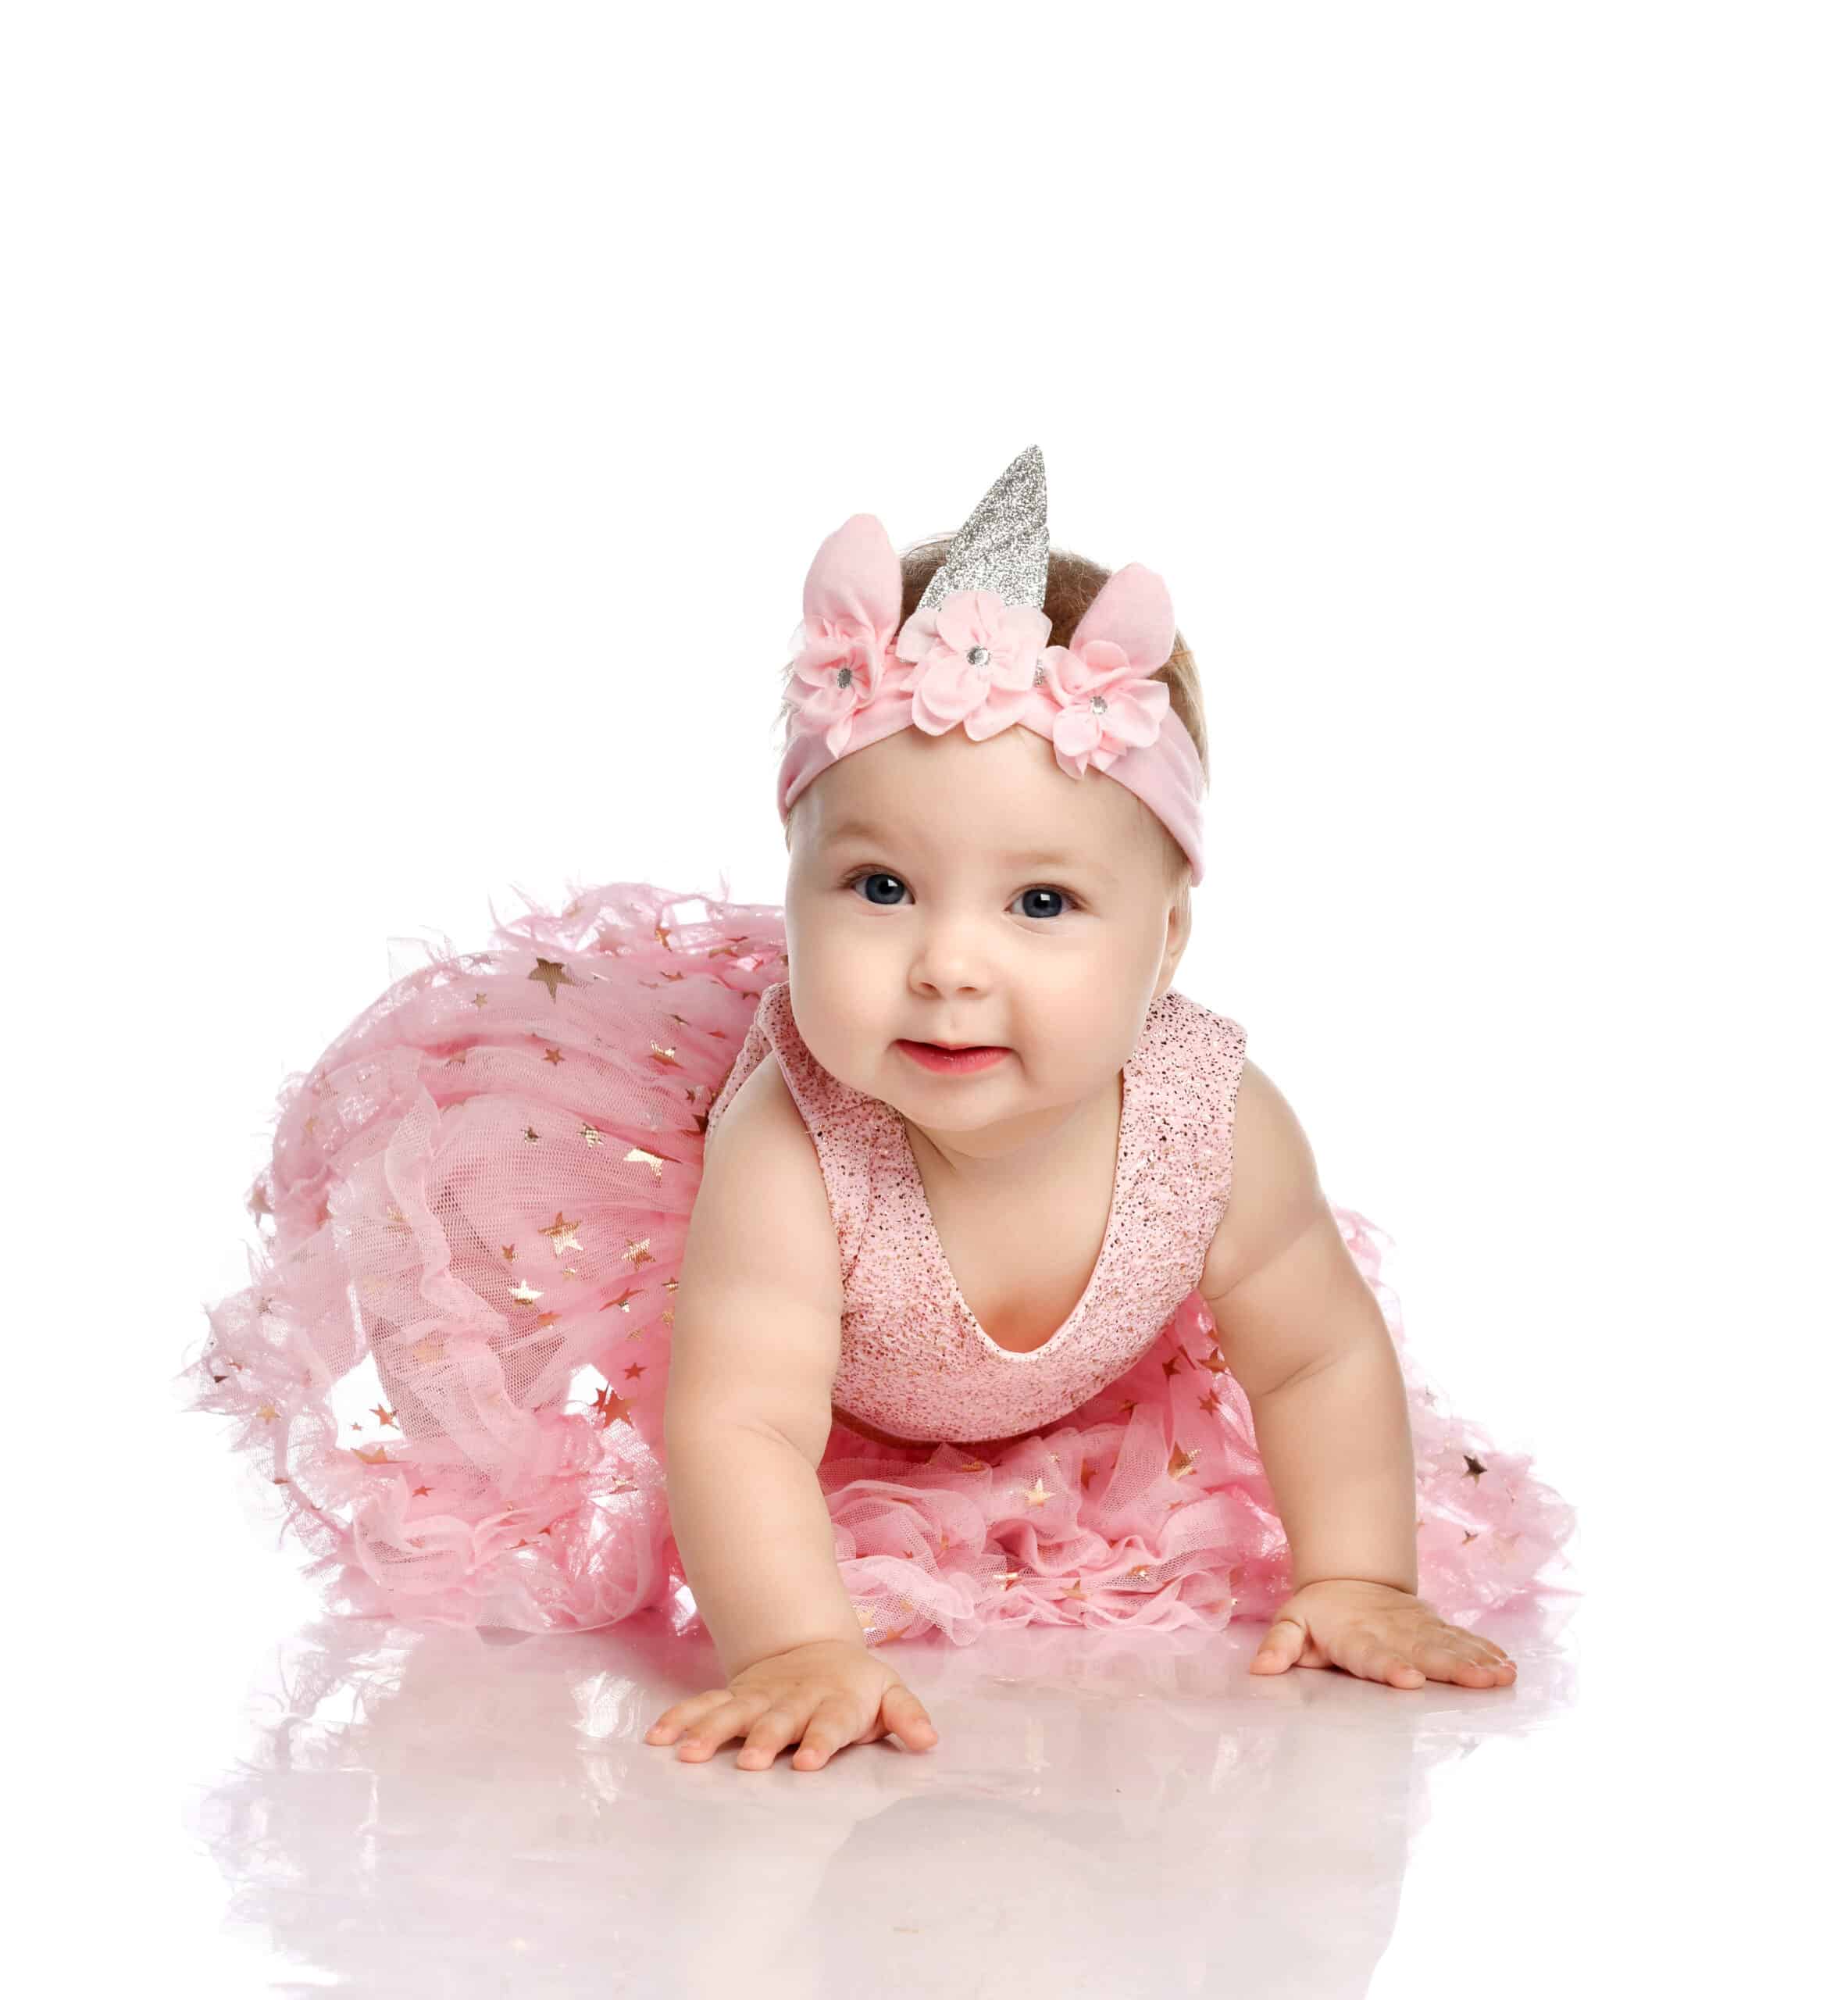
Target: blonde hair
1073 581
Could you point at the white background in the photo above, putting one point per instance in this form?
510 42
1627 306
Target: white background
418 421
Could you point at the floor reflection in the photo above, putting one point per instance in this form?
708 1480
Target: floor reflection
463 1814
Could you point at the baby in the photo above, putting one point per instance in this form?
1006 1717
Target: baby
979 943
954 1316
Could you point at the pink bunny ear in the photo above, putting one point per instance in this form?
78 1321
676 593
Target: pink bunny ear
1134 611
855 581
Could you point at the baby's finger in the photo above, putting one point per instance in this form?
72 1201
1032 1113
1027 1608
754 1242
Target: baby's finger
903 1714
830 1726
776 1726
723 1723
1283 1645
1447 1662
1371 1659
682 1714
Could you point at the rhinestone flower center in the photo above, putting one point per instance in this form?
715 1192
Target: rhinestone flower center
977 656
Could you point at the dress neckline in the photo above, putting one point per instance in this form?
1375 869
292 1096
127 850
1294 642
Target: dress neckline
920 1199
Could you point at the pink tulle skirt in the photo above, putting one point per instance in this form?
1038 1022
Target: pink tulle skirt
448 1371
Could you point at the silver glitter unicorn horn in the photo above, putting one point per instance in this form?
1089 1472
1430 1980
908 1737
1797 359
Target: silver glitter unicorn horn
1002 546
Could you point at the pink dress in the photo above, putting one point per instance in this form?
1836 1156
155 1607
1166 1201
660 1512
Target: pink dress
448 1372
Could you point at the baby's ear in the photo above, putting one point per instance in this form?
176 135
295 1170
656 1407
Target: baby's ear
1133 609
855 581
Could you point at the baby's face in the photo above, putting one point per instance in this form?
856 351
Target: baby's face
942 890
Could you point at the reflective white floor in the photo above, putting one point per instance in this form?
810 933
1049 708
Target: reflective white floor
348 1806
429 1814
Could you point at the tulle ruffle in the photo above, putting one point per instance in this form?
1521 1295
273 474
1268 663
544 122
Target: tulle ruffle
448 1373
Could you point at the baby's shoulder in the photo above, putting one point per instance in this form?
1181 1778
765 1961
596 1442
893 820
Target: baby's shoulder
760 1181
1275 1193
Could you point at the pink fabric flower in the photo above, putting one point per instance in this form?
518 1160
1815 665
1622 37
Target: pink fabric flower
1108 700
850 602
1106 706
974 658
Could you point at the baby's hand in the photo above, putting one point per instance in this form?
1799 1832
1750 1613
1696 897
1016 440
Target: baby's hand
1378 1633
819 1696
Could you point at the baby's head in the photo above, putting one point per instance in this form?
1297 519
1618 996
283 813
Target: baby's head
944 889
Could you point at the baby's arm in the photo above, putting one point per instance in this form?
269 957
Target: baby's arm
756 1345
1303 1335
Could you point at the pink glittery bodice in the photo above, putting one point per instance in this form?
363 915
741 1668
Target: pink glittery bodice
915 1360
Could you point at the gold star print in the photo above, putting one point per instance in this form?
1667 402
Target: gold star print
639 1253
259 1202
384 1415
671 1284
667 976
268 1411
530 1137
973 1464
1474 1466
1138 1575
550 974
669 1057
634 1370
1085 1474
652 1159
458 1061
265 1305
590 1135
1181 1463
1037 1494
480 1000
609 1406
563 1234
865 1617
1213 1363
523 1293
1209 1402
373 1455
1127 1404
1169 1366
1469 1535
544 1320
1076 1588
552 1056
1009 1579
622 1300
660 935
418 1492
508 1253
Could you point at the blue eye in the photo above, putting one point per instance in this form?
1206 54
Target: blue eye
885 876
873 875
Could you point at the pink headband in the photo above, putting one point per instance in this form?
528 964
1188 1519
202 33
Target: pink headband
975 652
